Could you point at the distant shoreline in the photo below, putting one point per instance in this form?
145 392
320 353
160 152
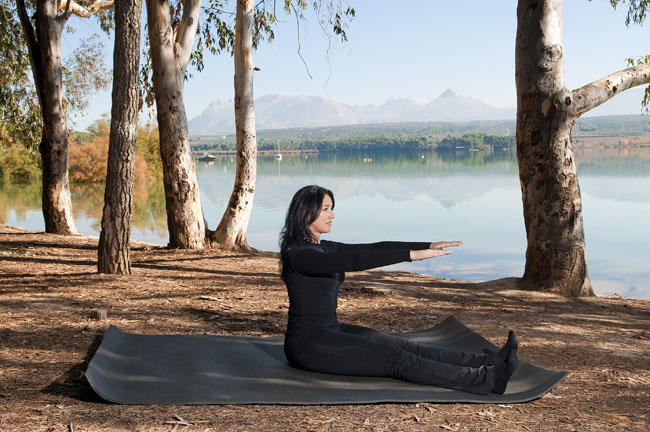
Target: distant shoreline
591 142
624 141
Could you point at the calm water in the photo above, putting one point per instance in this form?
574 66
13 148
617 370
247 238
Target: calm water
473 197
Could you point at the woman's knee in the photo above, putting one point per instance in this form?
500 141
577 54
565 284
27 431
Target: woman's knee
356 330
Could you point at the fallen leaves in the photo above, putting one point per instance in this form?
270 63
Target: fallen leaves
41 349
180 421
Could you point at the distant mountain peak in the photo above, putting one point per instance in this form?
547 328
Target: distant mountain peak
448 93
274 111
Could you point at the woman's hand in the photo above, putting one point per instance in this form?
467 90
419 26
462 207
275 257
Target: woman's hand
445 244
435 250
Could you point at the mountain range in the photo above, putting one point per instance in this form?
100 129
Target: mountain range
279 112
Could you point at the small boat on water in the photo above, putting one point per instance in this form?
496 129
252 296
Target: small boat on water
278 155
208 158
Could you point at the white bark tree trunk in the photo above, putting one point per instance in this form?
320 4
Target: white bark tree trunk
231 232
44 43
546 113
170 54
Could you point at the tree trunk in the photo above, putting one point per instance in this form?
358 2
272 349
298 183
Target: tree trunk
555 257
113 250
546 113
231 232
44 43
170 54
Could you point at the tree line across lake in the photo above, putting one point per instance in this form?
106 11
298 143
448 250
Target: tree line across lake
476 141
88 151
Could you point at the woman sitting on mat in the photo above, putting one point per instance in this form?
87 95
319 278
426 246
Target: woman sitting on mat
315 340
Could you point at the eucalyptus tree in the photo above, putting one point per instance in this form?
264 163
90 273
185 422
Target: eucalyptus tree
231 232
43 36
113 249
546 113
174 43
172 29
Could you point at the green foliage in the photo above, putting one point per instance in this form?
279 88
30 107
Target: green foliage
80 137
214 34
20 120
414 140
632 61
84 74
612 126
636 14
478 141
147 147
20 125
355 144
216 29
19 164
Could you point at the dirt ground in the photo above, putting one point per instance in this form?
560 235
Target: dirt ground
51 296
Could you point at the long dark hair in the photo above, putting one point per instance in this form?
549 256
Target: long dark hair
303 211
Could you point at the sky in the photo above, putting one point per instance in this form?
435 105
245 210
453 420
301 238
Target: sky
414 50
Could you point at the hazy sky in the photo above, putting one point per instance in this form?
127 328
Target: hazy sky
415 50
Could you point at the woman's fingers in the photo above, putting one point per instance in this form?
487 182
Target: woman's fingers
445 244
417 255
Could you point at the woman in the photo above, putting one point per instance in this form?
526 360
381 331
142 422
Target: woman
314 269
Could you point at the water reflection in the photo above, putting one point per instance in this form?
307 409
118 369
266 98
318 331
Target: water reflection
17 200
470 196
20 204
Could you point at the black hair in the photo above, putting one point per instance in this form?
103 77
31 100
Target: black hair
303 211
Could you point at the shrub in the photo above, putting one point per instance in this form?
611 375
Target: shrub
19 164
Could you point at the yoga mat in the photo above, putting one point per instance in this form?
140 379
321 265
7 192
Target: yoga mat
205 369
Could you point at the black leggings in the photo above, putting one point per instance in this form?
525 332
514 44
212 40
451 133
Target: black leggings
360 351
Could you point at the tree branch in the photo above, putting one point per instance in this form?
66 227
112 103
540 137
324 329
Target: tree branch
593 94
71 7
33 48
298 38
61 19
187 30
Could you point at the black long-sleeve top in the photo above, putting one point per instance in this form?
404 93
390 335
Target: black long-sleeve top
313 274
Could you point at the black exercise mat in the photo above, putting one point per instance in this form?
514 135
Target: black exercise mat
204 369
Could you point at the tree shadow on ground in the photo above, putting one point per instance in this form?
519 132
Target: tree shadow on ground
147 265
51 261
46 243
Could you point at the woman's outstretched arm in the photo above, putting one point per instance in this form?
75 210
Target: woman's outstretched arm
395 245
378 245
311 262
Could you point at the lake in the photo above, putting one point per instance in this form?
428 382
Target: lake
427 196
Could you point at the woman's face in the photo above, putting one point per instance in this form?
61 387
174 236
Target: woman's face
323 223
